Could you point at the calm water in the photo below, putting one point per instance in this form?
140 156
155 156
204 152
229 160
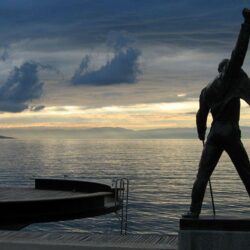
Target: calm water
161 173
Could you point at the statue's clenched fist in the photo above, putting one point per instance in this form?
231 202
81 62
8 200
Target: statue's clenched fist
246 14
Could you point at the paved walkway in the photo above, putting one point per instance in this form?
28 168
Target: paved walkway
19 240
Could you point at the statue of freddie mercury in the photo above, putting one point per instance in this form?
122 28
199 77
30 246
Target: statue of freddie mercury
222 98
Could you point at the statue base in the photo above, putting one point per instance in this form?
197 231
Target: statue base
214 233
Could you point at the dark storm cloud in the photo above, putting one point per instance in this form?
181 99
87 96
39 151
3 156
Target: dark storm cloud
12 107
22 85
122 68
78 22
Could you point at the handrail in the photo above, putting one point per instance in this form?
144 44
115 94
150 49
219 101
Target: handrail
121 186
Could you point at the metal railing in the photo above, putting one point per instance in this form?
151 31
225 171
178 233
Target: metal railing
121 186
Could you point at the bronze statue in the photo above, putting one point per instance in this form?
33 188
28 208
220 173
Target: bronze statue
222 98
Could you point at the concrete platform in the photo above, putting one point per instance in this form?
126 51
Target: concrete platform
10 240
218 223
214 233
53 200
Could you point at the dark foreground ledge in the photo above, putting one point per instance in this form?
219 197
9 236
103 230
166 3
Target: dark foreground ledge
214 233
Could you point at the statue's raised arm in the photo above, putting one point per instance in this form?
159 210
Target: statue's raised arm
236 61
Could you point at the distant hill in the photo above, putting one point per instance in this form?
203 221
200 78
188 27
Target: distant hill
186 133
103 133
167 133
108 133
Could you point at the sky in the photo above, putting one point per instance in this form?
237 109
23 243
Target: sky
136 64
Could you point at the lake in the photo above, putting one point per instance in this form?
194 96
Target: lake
161 174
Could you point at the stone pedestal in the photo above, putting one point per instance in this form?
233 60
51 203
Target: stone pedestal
214 233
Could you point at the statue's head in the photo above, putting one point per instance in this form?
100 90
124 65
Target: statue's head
222 65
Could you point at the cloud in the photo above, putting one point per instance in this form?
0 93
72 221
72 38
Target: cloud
85 22
122 68
5 54
56 31
22 85
119 41
37 108
12 107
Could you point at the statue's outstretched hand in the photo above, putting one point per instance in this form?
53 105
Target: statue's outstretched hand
246 15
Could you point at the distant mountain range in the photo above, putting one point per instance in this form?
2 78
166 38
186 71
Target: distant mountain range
101 133
108 133
98 133
139 134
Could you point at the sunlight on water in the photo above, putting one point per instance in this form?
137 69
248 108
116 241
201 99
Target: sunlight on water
161 174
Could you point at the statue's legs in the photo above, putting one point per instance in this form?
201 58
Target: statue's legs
209 159
222 136
239 157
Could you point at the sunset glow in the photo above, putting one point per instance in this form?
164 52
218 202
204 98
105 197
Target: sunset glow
141 116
